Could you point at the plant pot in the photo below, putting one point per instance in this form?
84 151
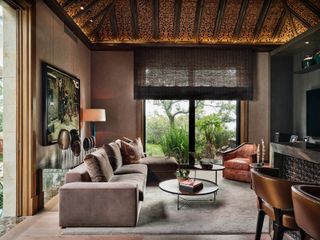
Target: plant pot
181 179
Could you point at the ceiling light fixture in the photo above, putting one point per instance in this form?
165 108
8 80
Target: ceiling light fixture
307 42
82 7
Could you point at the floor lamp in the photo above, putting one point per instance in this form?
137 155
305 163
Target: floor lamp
93 115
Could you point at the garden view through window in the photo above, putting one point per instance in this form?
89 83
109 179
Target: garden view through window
167 127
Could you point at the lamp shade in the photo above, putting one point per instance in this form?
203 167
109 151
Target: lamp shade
93 115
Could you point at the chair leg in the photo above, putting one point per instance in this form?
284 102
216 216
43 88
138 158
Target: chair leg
278 232
261 215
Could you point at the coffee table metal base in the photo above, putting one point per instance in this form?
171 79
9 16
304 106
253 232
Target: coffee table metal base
181 201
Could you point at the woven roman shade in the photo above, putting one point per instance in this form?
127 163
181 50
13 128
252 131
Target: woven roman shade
193 73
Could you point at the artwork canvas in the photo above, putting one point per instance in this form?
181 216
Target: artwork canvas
61 102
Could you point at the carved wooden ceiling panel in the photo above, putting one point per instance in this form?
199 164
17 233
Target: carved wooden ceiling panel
256 22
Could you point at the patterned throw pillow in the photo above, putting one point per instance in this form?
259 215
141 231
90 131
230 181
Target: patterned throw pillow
114 155
103 164
130 152
94 169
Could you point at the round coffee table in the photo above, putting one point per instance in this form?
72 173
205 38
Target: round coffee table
172 186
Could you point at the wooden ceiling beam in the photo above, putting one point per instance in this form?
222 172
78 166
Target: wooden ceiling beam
220 13
296 15
95 17
280 23
67 3
312 7
155 19
134 19
197 19
106 12
242 14
262 16
84 11
177 16
114 24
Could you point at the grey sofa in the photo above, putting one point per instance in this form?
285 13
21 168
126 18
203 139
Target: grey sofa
83 203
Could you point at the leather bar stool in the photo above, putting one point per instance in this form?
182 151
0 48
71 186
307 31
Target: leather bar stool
274 200
306 204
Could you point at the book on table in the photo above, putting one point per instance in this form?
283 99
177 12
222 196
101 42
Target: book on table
191 185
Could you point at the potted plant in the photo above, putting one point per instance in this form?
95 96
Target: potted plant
182 174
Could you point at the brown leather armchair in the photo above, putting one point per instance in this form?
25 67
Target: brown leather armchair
306 205
274 200
237 162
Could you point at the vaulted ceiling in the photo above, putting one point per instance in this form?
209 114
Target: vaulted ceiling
249 22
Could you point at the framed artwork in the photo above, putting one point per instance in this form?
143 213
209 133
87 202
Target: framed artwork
60 103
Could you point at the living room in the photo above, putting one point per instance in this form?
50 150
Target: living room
131 59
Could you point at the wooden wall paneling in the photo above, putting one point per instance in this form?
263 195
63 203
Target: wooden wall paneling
244 120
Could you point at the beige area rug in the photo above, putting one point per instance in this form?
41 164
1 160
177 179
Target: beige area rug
233 212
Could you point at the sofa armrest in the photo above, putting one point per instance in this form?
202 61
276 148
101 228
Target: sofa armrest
98 204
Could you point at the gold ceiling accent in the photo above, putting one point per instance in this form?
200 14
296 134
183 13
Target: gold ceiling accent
249 22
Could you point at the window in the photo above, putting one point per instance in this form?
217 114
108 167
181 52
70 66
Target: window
171 125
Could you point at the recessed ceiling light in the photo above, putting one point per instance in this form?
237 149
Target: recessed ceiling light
82 7
306 42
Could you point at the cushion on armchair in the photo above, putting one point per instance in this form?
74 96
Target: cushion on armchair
238 163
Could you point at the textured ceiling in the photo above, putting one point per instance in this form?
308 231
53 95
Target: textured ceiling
249 22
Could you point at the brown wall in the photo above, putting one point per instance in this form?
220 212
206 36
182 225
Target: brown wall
56 47
259 108
112 89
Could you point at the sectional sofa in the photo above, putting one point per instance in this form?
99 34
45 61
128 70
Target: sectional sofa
115 201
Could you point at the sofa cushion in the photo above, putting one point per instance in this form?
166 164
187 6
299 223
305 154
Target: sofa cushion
94 169
113 151
132 168
101 156
133 178
160 164
130 152
238 163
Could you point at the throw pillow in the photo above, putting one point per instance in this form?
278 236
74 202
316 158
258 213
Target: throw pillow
94 169
140 146
100 155
130 152
113 151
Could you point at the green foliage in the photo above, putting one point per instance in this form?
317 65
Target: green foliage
155 127
212 135
175 142
154 150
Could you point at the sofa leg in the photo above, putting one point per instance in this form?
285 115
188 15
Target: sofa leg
260 220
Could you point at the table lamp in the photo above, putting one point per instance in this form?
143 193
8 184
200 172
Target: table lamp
93 115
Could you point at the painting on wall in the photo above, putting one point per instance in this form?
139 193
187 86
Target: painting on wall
61 103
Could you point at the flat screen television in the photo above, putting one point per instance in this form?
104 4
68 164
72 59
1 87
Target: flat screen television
313 113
